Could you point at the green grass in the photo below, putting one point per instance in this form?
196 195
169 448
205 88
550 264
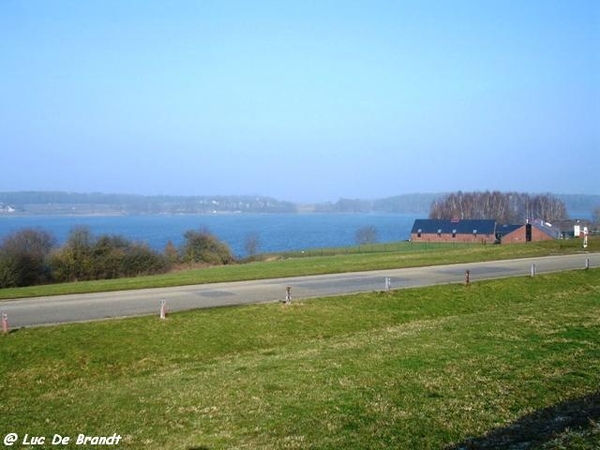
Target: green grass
316 262
427 368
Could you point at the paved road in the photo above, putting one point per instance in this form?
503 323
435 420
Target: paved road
76 308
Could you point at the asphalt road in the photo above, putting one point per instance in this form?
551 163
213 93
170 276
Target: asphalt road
39 311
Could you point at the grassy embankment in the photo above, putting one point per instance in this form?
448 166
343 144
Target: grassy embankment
492 363
320 261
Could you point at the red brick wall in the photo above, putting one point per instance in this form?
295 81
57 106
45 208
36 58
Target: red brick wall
447 237
518 236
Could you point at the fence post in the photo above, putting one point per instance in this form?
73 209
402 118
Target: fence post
467 276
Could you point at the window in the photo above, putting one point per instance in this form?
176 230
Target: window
475 232
439 232
454 233
419 231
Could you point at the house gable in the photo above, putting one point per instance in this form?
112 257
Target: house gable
537 232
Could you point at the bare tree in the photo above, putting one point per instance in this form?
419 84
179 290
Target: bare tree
366 235
171 253
24 258
596 219
548 208
509 207
252 244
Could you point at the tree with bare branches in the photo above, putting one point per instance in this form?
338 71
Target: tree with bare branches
511 207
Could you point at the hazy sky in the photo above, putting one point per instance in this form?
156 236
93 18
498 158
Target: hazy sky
300 100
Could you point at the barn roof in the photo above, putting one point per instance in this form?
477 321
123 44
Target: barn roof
468 226
503 230
547 228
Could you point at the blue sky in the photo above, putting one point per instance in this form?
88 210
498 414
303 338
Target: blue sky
300 100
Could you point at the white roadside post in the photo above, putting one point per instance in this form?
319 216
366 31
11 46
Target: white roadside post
163 309
288 295
4 323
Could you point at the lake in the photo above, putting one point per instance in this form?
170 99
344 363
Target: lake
275 232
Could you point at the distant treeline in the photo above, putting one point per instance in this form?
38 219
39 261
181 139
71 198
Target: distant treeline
98 203
401 204
76 203
30 256
505 208
426 203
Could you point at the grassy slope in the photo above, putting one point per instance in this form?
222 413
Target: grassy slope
382 256
421 368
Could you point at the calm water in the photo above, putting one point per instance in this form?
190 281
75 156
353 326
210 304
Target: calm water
276 232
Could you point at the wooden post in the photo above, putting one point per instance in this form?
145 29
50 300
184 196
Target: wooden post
467 277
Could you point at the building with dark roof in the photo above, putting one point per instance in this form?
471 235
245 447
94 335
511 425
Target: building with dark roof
473 231
531 232
572 228
481 231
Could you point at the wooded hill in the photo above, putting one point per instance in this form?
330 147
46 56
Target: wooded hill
100 203
424 203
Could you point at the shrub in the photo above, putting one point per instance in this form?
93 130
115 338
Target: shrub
202 246
74 261
84 257
24 258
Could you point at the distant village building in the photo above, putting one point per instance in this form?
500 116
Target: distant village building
435 230
6 208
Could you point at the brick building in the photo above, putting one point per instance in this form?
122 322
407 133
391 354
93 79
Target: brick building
530 232
481 231
472 231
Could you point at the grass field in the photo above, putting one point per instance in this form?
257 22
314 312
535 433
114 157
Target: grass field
316 262
495 364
